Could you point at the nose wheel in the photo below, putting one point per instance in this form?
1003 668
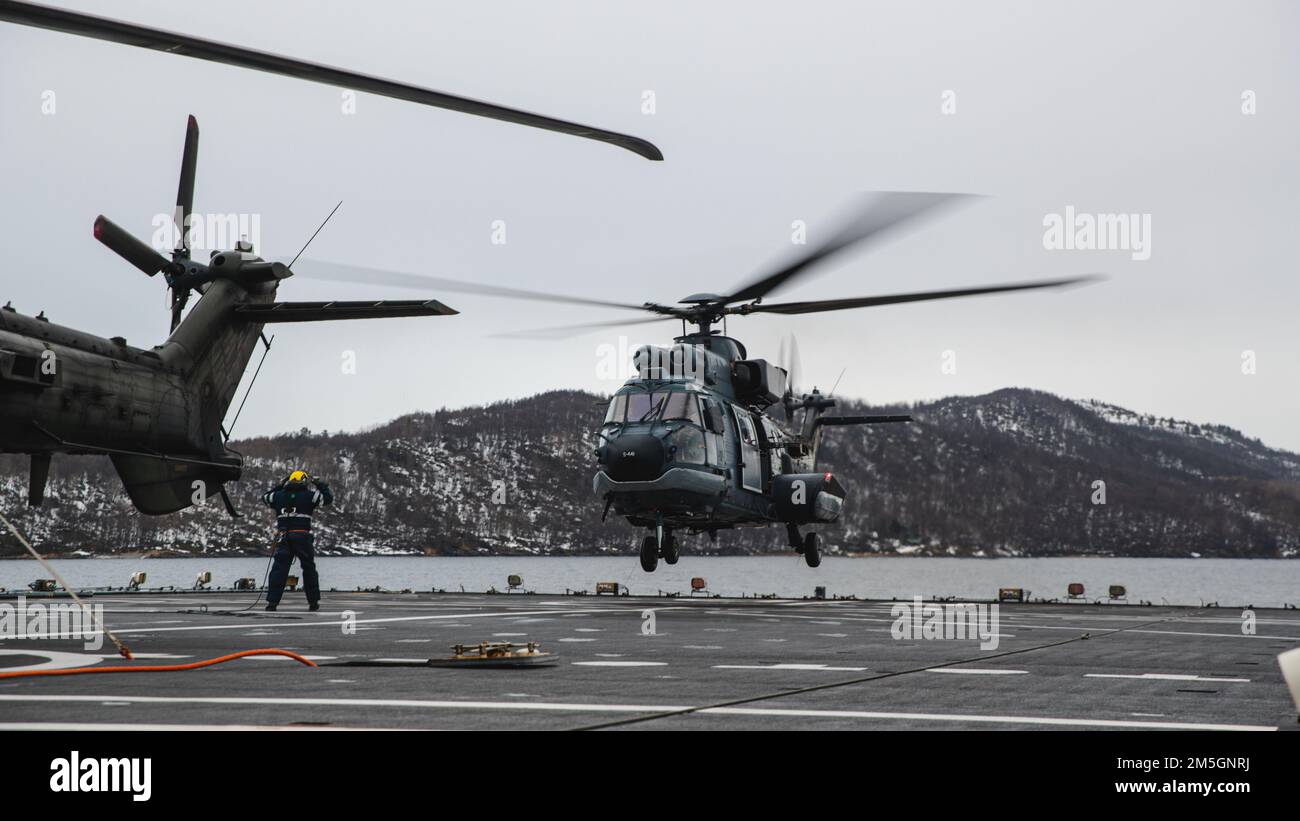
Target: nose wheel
649 554
805 546
811 555
660 544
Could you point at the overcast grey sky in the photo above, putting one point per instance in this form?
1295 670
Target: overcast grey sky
767 113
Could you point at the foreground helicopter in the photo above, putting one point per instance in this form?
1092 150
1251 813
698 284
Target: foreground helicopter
159 413
692 443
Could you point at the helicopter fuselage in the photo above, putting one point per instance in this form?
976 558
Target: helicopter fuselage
688 445
157 413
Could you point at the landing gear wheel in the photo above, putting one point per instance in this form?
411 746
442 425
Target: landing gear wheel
811 556
670 550
649 554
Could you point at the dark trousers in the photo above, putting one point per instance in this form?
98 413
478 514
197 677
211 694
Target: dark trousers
292 545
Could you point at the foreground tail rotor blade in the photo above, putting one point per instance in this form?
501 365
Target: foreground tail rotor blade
128 247
185 192
870 219
103 28
335 272
818 306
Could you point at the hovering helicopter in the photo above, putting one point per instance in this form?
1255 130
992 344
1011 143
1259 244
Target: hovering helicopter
693 442
159 413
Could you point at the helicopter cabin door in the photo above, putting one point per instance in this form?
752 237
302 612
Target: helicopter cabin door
751 460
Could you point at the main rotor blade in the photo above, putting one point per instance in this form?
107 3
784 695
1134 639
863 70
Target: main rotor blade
871 218
128 247
130 34
567 331
336 272
185 192
818 306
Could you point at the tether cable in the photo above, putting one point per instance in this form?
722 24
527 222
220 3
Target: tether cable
122 649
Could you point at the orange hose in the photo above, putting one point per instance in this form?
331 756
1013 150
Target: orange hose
160 668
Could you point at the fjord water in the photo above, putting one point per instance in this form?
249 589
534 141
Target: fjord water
1230 582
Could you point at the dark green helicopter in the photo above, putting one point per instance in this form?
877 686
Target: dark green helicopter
159 413
692 443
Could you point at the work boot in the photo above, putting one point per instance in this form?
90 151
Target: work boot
314 606
270 608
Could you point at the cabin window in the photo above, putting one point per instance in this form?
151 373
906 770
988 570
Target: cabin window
746 425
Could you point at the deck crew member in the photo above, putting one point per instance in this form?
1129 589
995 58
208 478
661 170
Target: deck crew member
294 500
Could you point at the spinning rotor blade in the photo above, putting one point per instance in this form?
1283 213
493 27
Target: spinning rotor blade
335 272
130 34
818 306
567 331
871 218
128 247
185 192
796 364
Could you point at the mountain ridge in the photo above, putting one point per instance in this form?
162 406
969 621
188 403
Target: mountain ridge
1008 473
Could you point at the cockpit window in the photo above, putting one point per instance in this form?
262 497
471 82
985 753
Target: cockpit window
677 406
682 406
644 407
617 408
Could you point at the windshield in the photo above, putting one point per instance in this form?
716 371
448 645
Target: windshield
643 407
682 406
617 407
656 405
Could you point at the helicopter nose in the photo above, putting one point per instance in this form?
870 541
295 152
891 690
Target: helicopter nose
634 457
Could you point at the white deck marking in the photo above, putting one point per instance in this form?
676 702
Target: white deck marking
980 671
816 667
569 707
993 719
334 623
620 663
57 659
1164 677
572 639
63 726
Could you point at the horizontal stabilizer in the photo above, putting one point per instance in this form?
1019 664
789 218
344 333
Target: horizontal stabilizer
863 420
323 311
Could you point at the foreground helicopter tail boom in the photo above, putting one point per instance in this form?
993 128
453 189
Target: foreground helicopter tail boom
158 414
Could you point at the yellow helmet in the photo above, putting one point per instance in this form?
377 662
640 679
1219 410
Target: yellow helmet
298 476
